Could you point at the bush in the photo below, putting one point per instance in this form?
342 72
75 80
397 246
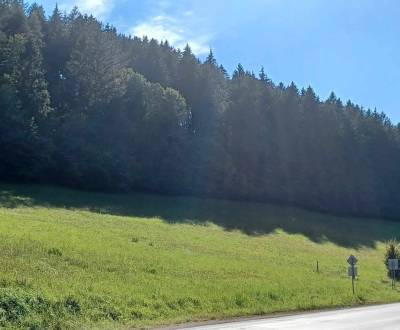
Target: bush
392 252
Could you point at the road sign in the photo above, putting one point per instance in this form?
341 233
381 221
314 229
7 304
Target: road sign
352 271
352 260
393 264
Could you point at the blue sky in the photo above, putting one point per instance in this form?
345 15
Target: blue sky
351 47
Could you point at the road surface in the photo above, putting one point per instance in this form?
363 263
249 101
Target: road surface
383 317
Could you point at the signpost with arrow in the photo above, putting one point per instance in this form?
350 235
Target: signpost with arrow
352 271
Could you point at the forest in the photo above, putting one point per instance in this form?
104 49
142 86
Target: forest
84 106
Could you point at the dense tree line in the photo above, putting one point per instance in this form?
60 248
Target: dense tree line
85 106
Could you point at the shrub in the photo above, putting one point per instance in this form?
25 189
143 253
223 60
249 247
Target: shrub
392 252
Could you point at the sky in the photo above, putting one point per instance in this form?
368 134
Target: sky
351 47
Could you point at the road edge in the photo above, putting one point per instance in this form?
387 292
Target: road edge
200 323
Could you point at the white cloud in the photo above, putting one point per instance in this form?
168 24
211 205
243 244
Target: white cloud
168 21
177 30
98 8
154 28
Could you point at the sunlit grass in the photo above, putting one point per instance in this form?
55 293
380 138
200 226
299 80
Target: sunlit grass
99 260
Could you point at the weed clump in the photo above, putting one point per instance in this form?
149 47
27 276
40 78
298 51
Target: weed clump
54 252
72 304
26 309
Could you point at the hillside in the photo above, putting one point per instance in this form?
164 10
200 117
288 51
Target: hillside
71 259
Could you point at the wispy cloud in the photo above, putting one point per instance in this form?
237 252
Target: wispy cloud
98 8
178 28
178 22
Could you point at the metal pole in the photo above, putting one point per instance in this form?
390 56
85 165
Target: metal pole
317 267
393 283
352 277
391 277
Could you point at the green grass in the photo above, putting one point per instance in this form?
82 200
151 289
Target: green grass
71 259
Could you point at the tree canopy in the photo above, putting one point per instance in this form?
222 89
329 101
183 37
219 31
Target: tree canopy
84 106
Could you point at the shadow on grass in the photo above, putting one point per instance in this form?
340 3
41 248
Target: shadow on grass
250 218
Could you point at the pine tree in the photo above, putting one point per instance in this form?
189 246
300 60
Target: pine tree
262 75
56 53
35 86
95 67
211 59
239 72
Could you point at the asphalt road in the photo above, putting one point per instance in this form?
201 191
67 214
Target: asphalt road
364 318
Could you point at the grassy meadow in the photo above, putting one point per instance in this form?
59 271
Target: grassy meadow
72 259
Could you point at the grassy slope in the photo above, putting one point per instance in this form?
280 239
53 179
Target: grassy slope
70 259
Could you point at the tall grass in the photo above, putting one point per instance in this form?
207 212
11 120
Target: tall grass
71 259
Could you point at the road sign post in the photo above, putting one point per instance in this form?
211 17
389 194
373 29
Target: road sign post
352 271
393 265
392 277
